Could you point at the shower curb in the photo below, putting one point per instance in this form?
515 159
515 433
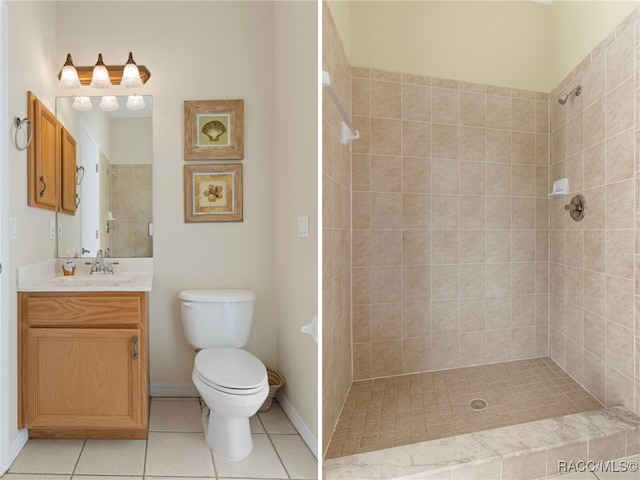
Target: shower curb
502 452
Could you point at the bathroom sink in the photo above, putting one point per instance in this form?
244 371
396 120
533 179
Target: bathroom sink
92 280
130 275
133 281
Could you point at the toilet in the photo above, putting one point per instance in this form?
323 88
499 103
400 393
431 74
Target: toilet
232 382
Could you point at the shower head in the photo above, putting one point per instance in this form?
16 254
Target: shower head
563 99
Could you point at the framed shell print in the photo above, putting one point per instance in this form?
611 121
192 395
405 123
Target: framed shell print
214 129
213 193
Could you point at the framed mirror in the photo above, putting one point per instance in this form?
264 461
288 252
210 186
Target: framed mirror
114 164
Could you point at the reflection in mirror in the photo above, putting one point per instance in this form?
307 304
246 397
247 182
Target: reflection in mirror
114 165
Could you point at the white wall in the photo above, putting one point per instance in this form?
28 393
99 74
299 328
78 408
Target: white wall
296 195
32 63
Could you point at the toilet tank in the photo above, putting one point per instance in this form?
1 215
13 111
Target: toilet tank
217 317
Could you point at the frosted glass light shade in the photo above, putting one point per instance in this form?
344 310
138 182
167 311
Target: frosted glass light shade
100 78
131 74
82 104
135 102
69 75
109 103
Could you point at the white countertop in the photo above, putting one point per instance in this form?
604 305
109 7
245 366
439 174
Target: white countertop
130 275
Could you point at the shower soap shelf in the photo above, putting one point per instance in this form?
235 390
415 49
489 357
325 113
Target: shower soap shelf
560 187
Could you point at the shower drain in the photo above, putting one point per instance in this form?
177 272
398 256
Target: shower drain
478 404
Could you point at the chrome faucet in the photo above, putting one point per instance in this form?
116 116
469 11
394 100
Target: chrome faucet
99 266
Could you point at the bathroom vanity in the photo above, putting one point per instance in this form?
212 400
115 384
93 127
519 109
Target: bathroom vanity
83 356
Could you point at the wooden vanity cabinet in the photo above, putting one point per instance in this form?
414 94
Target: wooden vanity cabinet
83 364
51 161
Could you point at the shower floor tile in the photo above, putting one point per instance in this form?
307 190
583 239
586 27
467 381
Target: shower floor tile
393 411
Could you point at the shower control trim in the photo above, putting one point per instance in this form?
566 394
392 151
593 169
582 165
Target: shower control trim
577 208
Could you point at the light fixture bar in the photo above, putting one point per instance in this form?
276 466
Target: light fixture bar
115 74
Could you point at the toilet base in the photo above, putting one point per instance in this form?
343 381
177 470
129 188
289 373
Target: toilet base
227 436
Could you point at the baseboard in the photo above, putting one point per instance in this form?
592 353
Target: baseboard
298 423
15 448
173 390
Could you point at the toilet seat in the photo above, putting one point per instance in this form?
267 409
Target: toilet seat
231 370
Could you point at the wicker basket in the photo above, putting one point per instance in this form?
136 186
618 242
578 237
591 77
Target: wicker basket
275 382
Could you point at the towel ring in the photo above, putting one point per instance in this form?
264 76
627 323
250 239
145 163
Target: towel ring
19 123
79 175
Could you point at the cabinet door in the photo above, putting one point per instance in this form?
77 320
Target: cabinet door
84 379
44 157
68 176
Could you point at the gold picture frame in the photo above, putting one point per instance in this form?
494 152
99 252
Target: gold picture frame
214 129
213 193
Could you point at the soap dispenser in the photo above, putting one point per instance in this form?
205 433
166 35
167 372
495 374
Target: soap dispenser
68 267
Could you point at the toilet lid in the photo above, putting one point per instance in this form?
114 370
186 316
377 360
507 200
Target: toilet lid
231 370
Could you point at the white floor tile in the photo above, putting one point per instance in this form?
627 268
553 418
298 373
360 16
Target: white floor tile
275 421
27 476
262 462
296 456
256 425
170 478
178 454
112 457
102 477
180 415
48 456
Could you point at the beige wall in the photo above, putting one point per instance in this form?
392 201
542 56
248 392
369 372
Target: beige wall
296 195
32 63
195 255
495 43
517 44
206 50
577 27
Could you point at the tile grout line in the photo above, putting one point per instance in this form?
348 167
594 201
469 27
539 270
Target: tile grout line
75 467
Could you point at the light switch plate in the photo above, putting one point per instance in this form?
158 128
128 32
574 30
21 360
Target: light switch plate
303 226
13 228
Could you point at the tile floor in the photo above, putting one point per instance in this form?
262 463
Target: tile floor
395 411
175 448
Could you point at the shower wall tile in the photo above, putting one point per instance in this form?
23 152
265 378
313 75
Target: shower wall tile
338 293
451 214
597 134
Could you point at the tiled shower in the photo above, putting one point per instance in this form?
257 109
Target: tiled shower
458 257
450 224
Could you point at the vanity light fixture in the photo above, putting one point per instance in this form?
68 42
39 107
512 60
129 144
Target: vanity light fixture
100 75
69 74
131 74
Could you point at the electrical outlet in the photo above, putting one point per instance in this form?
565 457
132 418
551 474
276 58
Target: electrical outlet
52 229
